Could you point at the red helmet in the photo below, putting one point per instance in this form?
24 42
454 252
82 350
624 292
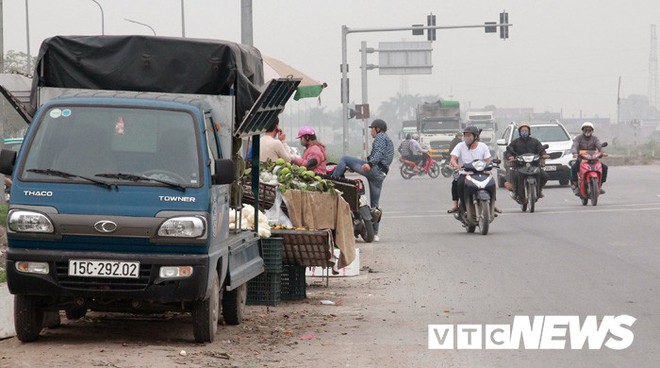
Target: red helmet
306 130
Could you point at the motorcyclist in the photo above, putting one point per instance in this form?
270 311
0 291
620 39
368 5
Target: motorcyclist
458 138
585 142
417 152
525 143
404 148
466 153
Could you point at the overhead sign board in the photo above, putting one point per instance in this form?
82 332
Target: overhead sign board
404 58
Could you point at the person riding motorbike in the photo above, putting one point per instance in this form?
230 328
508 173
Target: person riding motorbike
417 152
458 138
462 154
589 142
525 143
404 148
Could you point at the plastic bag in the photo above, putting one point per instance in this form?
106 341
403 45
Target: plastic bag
275 214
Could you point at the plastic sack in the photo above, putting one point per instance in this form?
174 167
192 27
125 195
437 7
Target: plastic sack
275 214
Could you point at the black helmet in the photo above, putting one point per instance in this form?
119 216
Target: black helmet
472 129
380 124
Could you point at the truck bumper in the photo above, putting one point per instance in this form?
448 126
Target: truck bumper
59 287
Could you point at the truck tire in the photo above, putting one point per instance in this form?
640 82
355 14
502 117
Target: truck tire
51 319
75 313
205 313
28 318
233 305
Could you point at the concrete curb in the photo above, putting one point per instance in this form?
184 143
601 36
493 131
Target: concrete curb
6 313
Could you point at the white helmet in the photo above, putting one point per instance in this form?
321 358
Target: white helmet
587 124
415 136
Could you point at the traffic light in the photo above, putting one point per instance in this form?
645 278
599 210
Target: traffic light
504 30
430 21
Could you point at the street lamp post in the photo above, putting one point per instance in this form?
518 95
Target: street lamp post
27 33
183 21
142 24
102 18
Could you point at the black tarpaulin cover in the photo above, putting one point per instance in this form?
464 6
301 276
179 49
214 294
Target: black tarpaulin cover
149 63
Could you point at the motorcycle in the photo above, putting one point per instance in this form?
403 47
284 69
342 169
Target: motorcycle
445 165
480 191
528 168
354 193
408 168
590 175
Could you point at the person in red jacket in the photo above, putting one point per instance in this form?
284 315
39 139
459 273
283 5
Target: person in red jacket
314 156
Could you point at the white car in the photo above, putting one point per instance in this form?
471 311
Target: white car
555 135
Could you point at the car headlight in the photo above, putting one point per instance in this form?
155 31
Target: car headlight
183 227
22 221
479 165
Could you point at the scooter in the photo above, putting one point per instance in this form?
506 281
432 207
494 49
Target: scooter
479 209
528 168
408 168
353 191
445 165
590 175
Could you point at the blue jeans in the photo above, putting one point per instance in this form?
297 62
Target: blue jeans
374 177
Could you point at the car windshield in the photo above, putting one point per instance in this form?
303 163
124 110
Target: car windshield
92 140
550 133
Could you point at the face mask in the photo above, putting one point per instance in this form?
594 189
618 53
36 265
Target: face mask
468 140
524 134
587 134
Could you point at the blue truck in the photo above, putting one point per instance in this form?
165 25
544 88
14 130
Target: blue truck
122 188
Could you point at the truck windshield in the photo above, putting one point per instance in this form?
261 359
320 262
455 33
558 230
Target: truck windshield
430 127
86 141
485 125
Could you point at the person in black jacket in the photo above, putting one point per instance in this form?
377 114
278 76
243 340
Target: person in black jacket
525 143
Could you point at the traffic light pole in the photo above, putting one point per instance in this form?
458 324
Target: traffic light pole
344 62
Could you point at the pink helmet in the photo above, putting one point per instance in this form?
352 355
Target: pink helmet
306 130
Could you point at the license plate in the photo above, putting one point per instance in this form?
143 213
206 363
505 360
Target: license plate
549 168
91 268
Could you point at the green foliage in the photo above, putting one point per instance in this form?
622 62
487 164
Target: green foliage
17 62
3 214
3 275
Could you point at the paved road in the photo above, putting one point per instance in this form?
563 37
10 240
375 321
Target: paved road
565 259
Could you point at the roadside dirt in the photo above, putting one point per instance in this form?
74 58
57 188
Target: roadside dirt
287 335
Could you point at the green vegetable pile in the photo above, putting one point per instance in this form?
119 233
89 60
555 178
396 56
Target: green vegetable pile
288 176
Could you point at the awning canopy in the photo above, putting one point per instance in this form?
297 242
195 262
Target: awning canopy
275 69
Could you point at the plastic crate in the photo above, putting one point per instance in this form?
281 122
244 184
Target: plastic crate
265 289
272 250
293 284
306 247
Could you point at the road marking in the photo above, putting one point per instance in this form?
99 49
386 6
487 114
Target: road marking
575 210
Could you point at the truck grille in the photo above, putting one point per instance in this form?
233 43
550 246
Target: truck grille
102 283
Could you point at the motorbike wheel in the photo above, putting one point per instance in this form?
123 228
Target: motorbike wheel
406 173
367 233
484 218
585 200
434 170
470 228
447 171
595 191
531 195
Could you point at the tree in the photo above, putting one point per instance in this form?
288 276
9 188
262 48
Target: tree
17 62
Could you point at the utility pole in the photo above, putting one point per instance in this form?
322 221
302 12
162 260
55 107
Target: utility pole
246 23
27 33
183 20
2 40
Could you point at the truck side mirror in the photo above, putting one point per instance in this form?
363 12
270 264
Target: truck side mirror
7 160
224 172
602 145
545 146
501 142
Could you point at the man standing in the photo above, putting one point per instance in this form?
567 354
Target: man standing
272 145
375 168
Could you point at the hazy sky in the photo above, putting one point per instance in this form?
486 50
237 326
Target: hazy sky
561 55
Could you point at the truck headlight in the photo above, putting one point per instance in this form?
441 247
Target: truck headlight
183 227
29 222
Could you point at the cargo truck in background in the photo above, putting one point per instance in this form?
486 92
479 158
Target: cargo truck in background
484 120
437 123
122 188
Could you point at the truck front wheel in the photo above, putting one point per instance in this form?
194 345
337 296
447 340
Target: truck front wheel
205 314
28 318
233 305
